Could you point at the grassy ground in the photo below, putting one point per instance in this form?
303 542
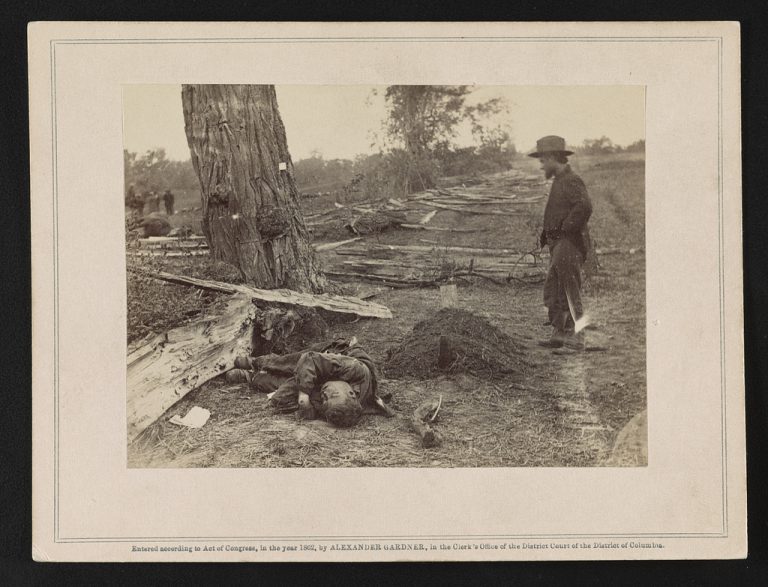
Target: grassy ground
558 411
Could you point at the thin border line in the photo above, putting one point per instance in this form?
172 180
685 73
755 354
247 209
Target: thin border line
53 44
426 537
241 40
721 236
55 220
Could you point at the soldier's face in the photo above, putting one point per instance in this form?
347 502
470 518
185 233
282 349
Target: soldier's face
338 391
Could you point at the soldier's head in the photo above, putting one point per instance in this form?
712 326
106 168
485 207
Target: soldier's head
340 404
552 154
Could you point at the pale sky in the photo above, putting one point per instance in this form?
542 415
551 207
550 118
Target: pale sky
338 121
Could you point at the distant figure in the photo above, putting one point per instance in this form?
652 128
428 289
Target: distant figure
154 202
138 204
168 201
130 196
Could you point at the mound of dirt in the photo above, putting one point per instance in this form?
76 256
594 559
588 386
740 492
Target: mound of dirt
455 341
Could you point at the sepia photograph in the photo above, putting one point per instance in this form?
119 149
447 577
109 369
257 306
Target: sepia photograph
385 276
487 275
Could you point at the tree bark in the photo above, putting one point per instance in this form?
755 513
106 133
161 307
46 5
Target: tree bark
251 212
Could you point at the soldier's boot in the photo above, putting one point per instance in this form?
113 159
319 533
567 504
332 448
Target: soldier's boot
244 363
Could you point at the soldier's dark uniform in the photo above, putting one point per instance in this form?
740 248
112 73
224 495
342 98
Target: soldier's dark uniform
310 370
565 232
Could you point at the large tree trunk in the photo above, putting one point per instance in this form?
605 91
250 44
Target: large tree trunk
251 211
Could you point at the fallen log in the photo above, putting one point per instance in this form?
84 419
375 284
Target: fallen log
427 217
165 369
450 249
468 196
151 240
313 218
397 280
418 265
168 253
478 202
175 244
492 196
337 244
436 228
387 279
333 303
470 211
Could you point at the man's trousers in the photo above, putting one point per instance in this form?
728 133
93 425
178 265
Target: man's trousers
563 280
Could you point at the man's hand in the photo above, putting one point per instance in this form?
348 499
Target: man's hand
306 410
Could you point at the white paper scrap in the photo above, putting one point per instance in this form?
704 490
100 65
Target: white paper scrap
195 418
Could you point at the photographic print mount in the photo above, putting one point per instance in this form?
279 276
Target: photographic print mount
692 496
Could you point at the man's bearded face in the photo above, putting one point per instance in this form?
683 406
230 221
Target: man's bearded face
549 166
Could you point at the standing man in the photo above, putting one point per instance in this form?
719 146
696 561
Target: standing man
154 202
138 203
168 201
565 232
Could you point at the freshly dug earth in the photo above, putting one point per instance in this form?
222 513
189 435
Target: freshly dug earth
470 344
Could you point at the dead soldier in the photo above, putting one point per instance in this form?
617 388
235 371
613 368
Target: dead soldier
565 232
336 381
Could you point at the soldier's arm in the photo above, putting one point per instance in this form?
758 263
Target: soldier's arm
581 206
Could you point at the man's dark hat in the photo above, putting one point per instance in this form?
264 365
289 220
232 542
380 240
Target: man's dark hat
550 144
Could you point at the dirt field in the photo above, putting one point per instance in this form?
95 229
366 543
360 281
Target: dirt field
555 410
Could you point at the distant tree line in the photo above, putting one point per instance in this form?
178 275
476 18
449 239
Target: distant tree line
605 146
153 171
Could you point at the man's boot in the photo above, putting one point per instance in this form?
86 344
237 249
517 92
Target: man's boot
555 341
572 344
574 341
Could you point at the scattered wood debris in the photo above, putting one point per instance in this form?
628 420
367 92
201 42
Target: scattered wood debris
423 418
